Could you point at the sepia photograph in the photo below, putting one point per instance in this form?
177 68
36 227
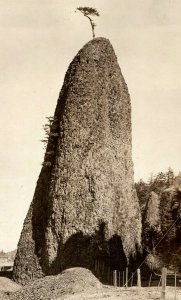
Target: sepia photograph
90 164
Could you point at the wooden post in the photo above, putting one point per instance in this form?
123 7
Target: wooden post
115 278
103 268
123 278
132 279
138 278
119 279
150 280
100 267
126 284
95 266
175 286
164 280
108 275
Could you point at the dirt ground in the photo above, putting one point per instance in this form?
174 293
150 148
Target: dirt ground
79 284
111 293
133 293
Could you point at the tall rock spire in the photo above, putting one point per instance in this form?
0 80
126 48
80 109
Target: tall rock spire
85 194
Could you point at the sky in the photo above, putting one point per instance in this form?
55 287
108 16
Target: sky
38 41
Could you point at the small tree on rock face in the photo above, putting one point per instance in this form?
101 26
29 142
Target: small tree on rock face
87 12
47 129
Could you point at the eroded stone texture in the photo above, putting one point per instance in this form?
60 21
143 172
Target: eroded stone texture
85 192
152 218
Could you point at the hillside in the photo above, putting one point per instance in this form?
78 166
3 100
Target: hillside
160 201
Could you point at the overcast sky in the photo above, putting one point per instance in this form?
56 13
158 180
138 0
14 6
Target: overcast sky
38 41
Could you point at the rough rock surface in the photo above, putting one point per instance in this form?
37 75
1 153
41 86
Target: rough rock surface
152 217
177 182
85 191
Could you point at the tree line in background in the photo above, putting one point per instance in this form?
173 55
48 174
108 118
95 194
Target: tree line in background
156 183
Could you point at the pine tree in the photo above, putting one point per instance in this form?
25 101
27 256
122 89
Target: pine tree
88 12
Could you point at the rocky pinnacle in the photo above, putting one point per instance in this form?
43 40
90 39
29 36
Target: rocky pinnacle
85 196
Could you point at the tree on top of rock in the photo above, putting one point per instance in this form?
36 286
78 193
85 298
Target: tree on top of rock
87 12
